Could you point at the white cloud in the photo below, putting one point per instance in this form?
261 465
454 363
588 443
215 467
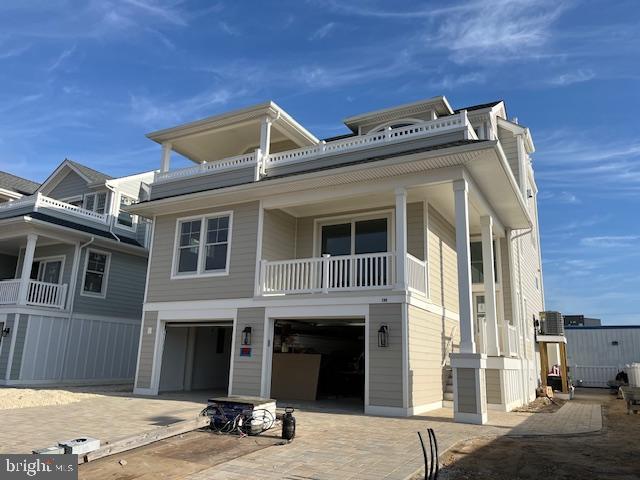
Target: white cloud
559 197
323 31
14 52
164 12
450 82
61 58
228 29
570 78
611 241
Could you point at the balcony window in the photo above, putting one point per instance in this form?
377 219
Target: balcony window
47 269
356 237
477 268
202 246
95 202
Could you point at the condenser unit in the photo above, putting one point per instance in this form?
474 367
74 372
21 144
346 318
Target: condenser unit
551 323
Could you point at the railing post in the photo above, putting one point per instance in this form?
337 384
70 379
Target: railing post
323 146
387 133
326 260
263 272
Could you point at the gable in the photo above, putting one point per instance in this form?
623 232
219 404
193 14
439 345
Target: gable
70 185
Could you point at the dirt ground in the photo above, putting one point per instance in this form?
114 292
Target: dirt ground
176 457
542 405
611 454
11 397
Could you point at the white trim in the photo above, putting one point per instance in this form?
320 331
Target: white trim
472 418
51 258
146 281
57 382
52 178
383 411
115 208
427 407
12 346
267 355
233 350
105 276
427 250
257 288
405 355
367 358
158 350
195 315
200 272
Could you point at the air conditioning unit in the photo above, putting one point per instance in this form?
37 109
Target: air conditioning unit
551 323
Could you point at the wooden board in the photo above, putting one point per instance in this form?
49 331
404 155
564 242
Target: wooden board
295 376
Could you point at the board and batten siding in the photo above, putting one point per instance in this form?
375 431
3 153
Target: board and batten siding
18 349
71 185
385 364
147 346
278 235
5 344
443 266
431 339
239 283
125 286
247 370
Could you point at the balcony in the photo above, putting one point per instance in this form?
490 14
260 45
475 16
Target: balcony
38 201
338 274
264 163
38 294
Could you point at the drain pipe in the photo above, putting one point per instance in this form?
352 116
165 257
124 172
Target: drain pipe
72 301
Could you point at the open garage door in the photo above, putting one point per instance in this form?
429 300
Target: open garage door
321 361
196 356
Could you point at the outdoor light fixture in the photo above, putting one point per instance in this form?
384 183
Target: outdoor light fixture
5 332
383 336
246 336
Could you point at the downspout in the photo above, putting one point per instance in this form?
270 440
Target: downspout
72 292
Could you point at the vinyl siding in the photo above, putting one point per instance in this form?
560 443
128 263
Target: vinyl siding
385 364
510 147
203 182
18 350
71 185
125 287
415 229
64 250
278 235
247 371
428 338
443 267
467 390
147 345
240 281
492 383
505 281
5 344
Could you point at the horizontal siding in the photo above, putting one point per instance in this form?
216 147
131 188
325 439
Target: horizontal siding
415 229
240 281
203 182
278 235
70 186
60 250
247 371
427 341
492 383
147 345
443 267
506 281
385 364
466 386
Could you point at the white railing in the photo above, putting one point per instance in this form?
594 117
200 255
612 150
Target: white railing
38 200
512 336
204 168
324 274
358 142
416 274
9 292
44 294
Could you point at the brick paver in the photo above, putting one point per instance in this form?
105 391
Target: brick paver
327 446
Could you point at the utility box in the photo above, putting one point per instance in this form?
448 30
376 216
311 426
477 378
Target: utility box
80 446
551 323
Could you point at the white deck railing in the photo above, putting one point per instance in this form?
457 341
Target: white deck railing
40 294
512 336
358 142
38 200
325 274
416 274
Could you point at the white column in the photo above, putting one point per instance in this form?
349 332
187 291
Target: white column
165 160
401 239
27 263
265 136
461 194
493 345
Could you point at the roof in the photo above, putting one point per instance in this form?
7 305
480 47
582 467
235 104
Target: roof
479 106
94 176
598 327
17 184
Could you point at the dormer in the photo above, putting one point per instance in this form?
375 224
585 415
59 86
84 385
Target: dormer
403 115
265 127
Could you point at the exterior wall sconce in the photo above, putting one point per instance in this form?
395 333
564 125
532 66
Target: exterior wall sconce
246 336
5 332
383 336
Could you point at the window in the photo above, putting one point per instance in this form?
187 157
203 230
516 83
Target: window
96 273
477 268
47 269
203 246
356 237
125 219
96 202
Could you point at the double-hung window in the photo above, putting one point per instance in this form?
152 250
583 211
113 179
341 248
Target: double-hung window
96 202
203 246
96 273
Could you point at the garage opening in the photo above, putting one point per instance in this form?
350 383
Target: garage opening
196 357
320 361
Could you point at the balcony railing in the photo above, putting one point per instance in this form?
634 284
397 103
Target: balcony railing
40 294
351 144
328 274
416 274
40 201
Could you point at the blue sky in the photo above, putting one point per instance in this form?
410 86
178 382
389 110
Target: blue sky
86 80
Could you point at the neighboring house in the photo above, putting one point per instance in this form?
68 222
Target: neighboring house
597 353
13 187
72 273
581 321
362 261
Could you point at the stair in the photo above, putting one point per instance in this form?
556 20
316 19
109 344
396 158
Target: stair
447 373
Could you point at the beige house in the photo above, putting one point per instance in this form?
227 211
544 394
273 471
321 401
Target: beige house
392 269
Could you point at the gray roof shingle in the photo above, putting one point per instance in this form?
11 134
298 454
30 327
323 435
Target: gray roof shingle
17 184
93 175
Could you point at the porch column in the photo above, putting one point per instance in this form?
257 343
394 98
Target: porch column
469 382
492 342
27 263
165 159
265 136
401 239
